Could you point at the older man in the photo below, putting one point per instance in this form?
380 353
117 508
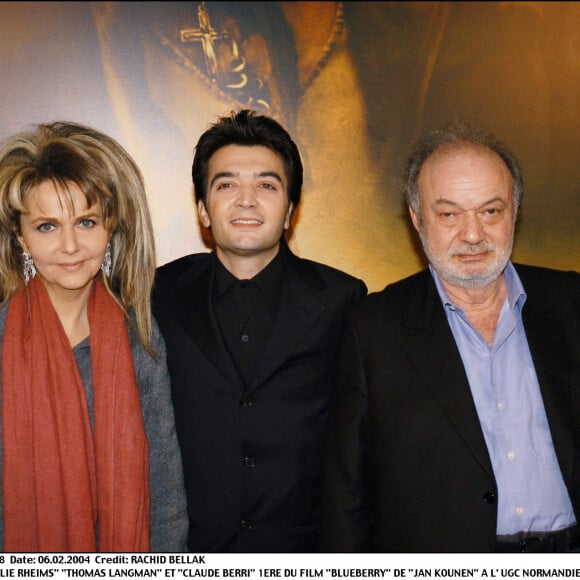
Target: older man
455 425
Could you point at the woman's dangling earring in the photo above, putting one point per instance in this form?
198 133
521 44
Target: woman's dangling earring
107 261
28 267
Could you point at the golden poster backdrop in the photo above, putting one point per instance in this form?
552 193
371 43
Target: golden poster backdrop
354 82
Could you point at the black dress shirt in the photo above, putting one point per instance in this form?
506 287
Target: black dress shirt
245 311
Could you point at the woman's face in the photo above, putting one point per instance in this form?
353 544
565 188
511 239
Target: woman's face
67 242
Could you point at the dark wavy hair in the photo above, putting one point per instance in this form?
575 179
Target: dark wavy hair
247 128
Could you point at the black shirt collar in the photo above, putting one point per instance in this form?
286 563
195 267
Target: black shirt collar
268 281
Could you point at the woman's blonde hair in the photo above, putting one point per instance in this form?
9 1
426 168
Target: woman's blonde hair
69 153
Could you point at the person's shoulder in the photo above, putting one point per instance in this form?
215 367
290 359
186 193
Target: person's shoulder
172 271
171 278
331 272
180 265
542 273
331 277
411 284
549 284
540 276
313 268
411 289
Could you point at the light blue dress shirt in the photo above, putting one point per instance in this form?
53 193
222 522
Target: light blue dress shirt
532 496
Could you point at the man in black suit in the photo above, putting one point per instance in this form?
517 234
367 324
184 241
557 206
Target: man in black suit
251 333
455 426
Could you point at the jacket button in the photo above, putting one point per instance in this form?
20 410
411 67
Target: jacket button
489 497
247 401
246 524
249 462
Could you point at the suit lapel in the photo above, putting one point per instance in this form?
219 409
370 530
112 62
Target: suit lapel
430 345
298 311
194 310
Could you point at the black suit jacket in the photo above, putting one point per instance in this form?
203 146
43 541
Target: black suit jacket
253 455
407 464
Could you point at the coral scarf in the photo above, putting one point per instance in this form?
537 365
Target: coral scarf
66 487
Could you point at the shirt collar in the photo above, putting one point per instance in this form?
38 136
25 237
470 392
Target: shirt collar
268 281
516 294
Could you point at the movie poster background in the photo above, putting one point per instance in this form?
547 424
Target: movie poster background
354 82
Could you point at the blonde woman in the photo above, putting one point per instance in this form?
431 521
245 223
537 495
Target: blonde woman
90 460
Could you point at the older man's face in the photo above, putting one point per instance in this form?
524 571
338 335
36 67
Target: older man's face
467 215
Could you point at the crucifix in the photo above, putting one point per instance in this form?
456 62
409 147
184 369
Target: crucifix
207 35
232 73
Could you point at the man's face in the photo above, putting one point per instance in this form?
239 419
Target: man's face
467 215
247 202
